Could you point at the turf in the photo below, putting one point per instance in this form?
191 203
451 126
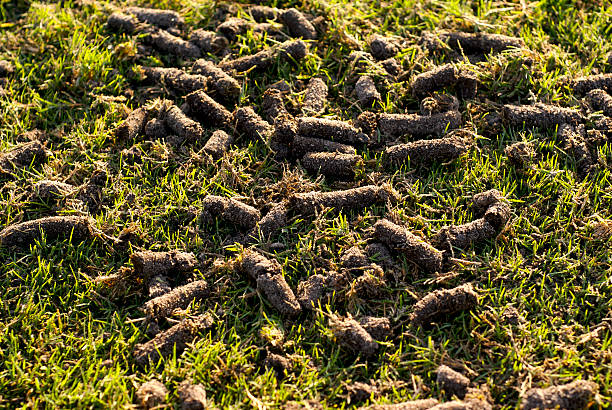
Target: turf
66 342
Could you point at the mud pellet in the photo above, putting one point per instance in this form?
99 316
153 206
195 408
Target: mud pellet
122 23
320 288
165 42
263 13
302 145
462 236
367 121
148 264
332 164
158 286
441 304
366 91
273 221
383 48
338 131
583 85
47 190
574 142
452 383
346 200
480 43
207 110
467 85
423 404
273 104
160 18
155 129
519 154
231 210
151 394
418 126
378 327
192 397
218 144
176 81
181 125
223 84
297 24
23 155
280 364
370 285
315 96
435 79
411 246
133 125
254 264
352 336
279 294
233 27
285 132
391 66
288 51
483 200
497 215
540 115
176 338
572 396
76 228
208 41
600 101
252 125
426 152
354 258
178 298
380 254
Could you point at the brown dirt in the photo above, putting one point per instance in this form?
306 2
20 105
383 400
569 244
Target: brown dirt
427 152
23 155
352 336
520 154
254 264
391 66
600 101
367 121
320 287
122 23
218 144
411 246
302 145
208 111
176 81
358 392
467 85
158 286
370 285
48 190
252 125
435 79
178 298
366 92
383 48
350 199
230 210
333 165
151 394
294 50
575 144
583 85
380 254
424 404
576 395
441 304
186 129
273 221
221 83
148 264
483 200
479 43
418 125
452 383
165 42
438 103
132 126
208 41
315 97
462 236
233 27
23 234
160 18
273 104
192 396
497 215
337 131
280 364
155 129
279 294
298 25
354 258
540 115
263 13
92 192
378 327
165 343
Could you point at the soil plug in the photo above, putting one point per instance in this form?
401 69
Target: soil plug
160 18
383 48
233 27
462 236
380 253
315 97
350 199
423 404
333 165
274 104
441 304
272 222
218 144
165 343
467 85
302 145
519 154
391 66
47 190
370 285
378 327
207 110
169 44
583 85
192 397
480 43
337 131
122 23
151 394
280 364
418 126
351 335
411 246
224 86
158 286
540 115
575 143
289 50
208 41
366 92
155 129
452 383
178 298
600 101
176 81
368 122
426 152
298 25
354 258
482 201
148 264
438 103
439 77
572 396
132 126
76 228
263 13
186 129
252 125
321 288
23 155
230 210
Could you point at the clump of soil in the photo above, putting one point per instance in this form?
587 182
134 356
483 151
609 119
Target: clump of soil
600 101
482 201
160 18
207 110
441 304
452 383
481 43
540 115
462 236
438 103
23 155
338 131
298 25
418 125
575 143
426 152
230 210
155 129
354 258
519 154
366 92
411 246
320 288
151 394
223 84
165 343
132 126
208 41
439 77
122 23
233 27
273 104
218 144
378 327
423 404
358 392
352 336
176 81
333 165
273 221
350 199
583 85
280 364
261 61
178 298
380 254
148 264
192 396
48 190
302 145
575 395
158 286
165 42
383 48
186 129
370 285
92 192
255 265
315 97
263 13
391 66
76 228
252 125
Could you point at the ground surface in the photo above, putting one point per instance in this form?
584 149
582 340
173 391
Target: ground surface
65 342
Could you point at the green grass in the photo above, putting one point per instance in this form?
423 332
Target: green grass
65 343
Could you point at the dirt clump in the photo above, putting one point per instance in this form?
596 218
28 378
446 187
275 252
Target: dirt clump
207 110
380 254
583 85
337 131
462 236
378 327
320 288
519 154
391 66
273 104
161 18
333 165
263 13
233 27
165 42
352 336
366 91
315 97
426 152
367 121
369 285
158 286
354 258
289 50
176 81
575 143
439 77
133 125
273 221
48 190
252 125
148 264
423 404
218 144
358 392
452 383
411 246
441 304
223 84
298 25
178 298
575 395
230 210
383 48
600 101
418 125
280 364
151 394
350 199
76 228
302 145
438 103
482 201
479 43
186 129
208 41
540 115
122 23
192 396
155 129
